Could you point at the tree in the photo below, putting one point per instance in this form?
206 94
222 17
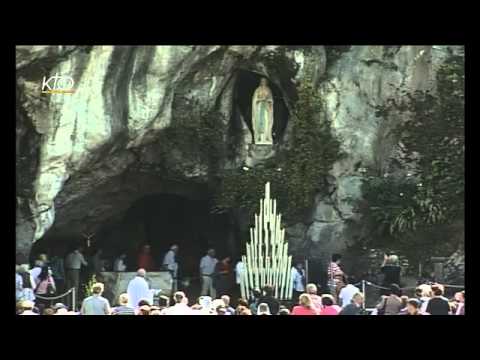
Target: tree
431 141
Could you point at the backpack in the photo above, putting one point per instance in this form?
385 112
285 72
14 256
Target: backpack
50 288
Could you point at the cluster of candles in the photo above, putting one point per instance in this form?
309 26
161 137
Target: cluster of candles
267 260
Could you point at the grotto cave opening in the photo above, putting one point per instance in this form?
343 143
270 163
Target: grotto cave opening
159 220
245 85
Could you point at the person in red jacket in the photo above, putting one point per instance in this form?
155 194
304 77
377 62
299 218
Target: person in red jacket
145 259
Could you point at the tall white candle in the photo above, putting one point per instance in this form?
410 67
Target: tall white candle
260 270
274 207
242 286
267 190
284 278
287 271
290 282
267 260
281 274
256 270
267 239
260 229
271 216
252 271
249 267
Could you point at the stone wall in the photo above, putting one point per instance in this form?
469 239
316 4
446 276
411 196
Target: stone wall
454 268
359 80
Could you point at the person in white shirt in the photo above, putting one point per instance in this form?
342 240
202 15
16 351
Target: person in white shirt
346 294
239 270
119 263
35 272
207 270
28 284
18 284
180 307
170 262
138 289
203 306
298 276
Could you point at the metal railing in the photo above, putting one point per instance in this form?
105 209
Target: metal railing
71 291
364 284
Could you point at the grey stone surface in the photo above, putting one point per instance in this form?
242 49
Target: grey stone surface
296 236
125 96
325 212
454 268
257 154
329 235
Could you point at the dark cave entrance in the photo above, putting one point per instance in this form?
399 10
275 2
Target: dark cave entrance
161 220
245 85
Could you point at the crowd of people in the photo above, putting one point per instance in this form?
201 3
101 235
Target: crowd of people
428 300
35 287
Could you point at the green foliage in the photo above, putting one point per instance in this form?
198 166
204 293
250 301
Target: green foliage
313 149
298 173
89 285
243 188
389 200
432 139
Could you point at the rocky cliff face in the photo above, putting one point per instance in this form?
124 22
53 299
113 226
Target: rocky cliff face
83 158
359 80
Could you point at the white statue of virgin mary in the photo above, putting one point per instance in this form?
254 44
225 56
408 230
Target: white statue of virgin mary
262 114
